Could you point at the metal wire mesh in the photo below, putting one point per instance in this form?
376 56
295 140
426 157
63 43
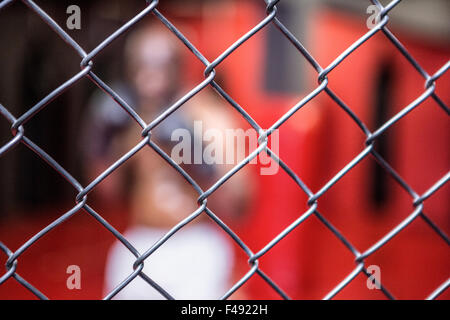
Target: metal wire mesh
87 60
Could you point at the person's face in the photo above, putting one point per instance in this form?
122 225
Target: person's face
155 69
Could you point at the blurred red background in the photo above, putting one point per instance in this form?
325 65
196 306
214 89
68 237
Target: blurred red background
316 143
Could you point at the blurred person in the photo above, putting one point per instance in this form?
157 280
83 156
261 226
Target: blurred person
196 262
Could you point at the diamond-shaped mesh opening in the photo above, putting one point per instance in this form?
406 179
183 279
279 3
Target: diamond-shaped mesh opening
312 196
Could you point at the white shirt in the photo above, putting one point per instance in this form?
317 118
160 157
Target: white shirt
195 263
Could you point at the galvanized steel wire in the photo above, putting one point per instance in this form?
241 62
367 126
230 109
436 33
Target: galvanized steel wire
88 59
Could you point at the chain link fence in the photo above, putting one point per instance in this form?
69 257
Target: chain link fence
81 204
